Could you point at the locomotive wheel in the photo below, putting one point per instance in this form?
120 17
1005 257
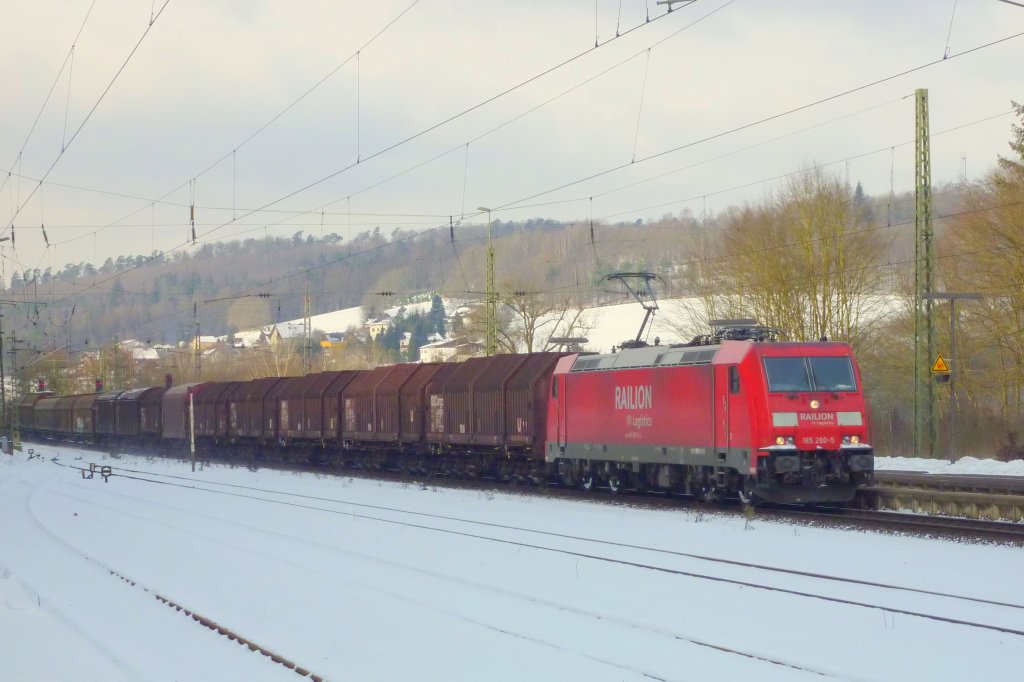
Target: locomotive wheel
588 481
747 496
705 493
615 484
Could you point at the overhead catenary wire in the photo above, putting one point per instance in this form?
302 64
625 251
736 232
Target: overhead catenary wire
378 247
88 116
259 130
640 109
729 189
46 99
429 129
454 117
759 121
505 123
949 33
955 55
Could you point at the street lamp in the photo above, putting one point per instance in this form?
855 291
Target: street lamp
491 345
952 298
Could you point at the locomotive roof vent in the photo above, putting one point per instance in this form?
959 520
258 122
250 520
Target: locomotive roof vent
743 329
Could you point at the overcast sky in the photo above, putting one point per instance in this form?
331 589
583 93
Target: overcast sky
211 73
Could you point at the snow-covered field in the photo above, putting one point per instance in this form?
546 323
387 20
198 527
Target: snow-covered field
361 580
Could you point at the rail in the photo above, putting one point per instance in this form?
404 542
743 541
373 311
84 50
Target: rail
996 498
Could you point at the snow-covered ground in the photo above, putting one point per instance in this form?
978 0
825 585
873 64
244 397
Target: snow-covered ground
963 466
363 580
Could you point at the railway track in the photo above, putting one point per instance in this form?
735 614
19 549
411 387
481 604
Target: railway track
746 574
920 524
916 524
997 498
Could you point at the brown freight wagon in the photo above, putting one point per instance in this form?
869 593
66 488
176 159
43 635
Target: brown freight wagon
487 400
331 402
151 411
106 413
436 407
83 412
458 400
211 409
137 409
358 405
526 403
63 419
290 418
387 401
272 408
300 406
174 410
26 409
250 414
414 406
46 416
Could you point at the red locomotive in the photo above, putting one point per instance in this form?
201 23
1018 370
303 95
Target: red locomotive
728 414
733 414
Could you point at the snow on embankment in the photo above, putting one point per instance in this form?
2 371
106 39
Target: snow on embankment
964 465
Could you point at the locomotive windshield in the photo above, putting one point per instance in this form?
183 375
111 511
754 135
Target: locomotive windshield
809 374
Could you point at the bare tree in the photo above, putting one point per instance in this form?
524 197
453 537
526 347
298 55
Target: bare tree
985 249
531 320
803 261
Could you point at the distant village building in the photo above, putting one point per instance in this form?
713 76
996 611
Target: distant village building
449 350
379 325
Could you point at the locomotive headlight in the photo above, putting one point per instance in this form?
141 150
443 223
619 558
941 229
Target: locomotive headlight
851 440
815 404
784 440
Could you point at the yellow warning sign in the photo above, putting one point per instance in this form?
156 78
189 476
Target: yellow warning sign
940 365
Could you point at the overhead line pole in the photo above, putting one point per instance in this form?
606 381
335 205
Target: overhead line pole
924 338
491 344
307 332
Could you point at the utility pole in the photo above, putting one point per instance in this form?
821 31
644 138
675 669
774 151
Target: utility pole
307 333
491 344
924 339
13 350
115 372
197 359
192 427
3 377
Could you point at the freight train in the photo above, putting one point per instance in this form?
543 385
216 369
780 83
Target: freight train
734 414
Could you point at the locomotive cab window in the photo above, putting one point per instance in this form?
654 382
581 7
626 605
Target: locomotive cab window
832 374
809 374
